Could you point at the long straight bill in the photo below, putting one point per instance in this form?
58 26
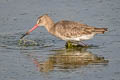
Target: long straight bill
29 31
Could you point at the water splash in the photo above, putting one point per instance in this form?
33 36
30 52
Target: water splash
13 41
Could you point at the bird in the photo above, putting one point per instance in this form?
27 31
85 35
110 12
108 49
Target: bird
66 30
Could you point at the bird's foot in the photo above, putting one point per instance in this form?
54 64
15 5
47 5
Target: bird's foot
70 44
84 44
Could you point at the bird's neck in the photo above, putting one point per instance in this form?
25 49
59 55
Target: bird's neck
49 24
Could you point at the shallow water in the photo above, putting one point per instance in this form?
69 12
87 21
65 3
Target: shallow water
50 60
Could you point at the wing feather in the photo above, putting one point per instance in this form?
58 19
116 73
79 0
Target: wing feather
72 29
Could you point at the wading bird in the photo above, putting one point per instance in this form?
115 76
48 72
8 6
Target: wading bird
67 30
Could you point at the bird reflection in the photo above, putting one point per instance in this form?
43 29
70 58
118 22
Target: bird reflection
69 59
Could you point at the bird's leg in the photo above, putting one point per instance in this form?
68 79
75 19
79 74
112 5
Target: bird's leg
83 43
69 44
73 44
79 43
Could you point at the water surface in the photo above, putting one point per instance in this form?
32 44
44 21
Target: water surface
50 60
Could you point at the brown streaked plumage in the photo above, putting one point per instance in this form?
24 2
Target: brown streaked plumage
67 30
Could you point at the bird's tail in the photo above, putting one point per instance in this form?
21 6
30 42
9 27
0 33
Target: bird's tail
100 30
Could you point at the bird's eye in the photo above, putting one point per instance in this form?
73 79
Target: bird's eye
39 20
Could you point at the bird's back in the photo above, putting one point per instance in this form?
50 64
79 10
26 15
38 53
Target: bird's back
71 29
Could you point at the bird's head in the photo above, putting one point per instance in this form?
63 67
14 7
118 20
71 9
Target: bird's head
41 21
